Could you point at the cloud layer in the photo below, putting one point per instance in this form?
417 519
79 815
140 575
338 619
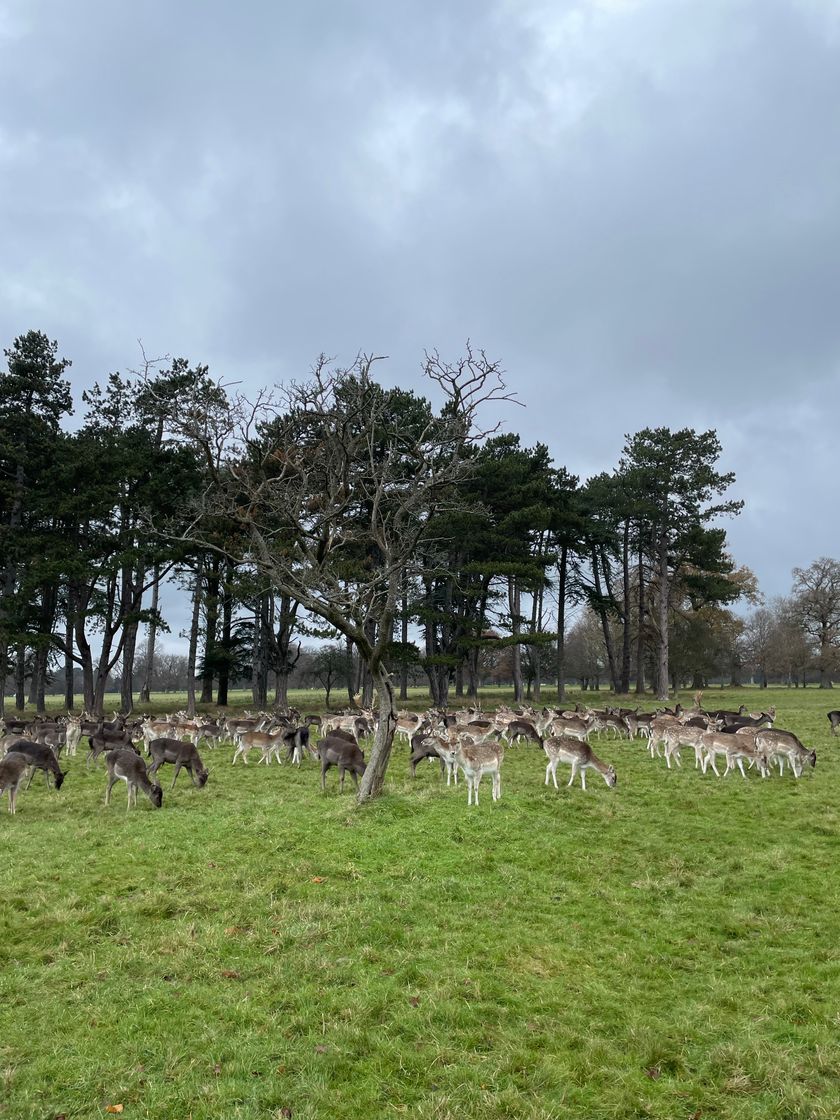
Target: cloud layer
632 203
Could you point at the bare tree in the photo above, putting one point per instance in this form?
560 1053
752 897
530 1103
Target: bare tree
816 592
331 483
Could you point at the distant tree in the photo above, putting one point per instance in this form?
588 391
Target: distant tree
676 481
329 668
816 593
759 642
34 399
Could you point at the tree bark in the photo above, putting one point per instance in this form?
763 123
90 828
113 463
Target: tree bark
211 623
561 623
605 625
9 579
227 624
351 675
151 640
624 683
640 635
69 669
663 595
516 650
368 677
284 662
192 656
404 638
374 775
20 677
262 637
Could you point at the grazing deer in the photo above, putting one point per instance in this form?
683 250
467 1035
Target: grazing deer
184 755
127 766
522 729
563 748
745 749
12 769
783 745
477 759
834 720
346 756
39 757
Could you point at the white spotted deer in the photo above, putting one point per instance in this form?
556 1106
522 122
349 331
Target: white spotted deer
580 755
477 759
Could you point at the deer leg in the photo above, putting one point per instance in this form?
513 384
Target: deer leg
177 772
583 777
31 776
741 768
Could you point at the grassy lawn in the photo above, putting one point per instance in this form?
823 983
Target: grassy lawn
257 949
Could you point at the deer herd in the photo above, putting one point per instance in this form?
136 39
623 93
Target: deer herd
468 741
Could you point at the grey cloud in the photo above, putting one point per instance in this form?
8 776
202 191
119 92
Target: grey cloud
632 203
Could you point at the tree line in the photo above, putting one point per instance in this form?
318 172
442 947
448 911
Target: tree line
406 530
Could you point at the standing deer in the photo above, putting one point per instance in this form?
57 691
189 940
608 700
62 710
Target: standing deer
581 756
477 759
12 769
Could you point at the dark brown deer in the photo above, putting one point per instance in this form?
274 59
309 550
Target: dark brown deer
297 743
346 756
105 740
127 766
185 757
12 769
423 746
39 757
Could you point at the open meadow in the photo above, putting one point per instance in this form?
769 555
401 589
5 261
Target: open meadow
666 949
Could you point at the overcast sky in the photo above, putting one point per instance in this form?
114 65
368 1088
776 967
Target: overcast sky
633 204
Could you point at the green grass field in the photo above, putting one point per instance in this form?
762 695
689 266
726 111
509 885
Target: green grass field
669 948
